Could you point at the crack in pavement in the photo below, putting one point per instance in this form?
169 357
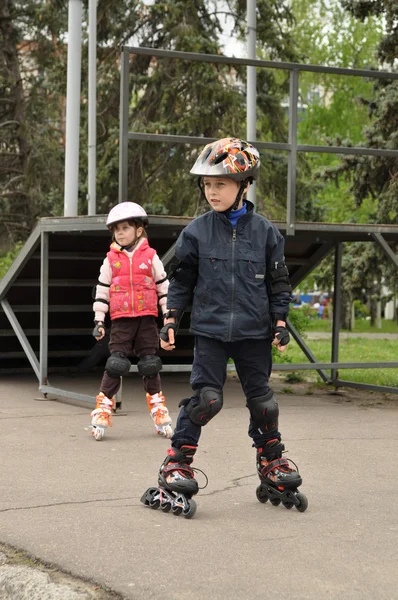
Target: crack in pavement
11 509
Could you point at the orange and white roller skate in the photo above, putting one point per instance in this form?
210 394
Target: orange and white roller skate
160 414
101 416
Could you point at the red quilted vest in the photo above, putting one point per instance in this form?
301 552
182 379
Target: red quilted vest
133 290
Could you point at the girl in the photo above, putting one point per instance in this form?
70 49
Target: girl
131 284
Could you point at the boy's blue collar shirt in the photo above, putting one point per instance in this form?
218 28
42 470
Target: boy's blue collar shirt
235 214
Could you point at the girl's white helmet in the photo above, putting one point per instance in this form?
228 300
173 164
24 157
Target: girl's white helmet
126 211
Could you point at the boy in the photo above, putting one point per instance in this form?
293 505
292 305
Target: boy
232 269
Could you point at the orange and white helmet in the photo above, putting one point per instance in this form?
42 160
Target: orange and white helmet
126 211
230 157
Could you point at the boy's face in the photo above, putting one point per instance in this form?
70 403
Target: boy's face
126 234
221 192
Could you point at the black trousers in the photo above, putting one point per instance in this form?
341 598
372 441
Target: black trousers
138 334
253 363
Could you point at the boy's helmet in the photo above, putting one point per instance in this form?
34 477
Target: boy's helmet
126 211
230 157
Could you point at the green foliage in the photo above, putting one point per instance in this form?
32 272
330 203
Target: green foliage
301 317
361 310
167 96
334 109
7 258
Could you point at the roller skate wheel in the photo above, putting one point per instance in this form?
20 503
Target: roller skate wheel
98 433
262 495
166 507
288 504
275 501
188 514
303 502
154 504
148 496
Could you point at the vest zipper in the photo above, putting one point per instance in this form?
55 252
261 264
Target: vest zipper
131 284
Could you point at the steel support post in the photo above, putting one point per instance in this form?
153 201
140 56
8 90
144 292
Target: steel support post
292 157
73 108
92 107
23 340
124 126
303 346
251 86
379 239
336 308
44 309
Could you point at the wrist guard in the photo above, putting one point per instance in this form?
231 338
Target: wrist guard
174 313
164 332
282 334
98 325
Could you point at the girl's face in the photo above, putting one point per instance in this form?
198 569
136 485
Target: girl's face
126 234
221 192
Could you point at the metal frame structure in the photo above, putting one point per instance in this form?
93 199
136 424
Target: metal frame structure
292 147
333 235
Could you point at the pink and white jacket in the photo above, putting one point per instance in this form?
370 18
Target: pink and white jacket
131 284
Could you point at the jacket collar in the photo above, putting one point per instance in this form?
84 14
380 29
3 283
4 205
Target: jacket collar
243 219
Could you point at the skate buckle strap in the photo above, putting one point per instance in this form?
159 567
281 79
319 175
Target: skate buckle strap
178 467
157 398
278 462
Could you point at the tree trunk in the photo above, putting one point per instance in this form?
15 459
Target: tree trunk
378 314
345 320
352 316
373 312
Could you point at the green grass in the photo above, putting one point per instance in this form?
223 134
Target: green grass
361 326
352 350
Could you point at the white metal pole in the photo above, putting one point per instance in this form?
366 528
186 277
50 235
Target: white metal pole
73 108
92 106
251 88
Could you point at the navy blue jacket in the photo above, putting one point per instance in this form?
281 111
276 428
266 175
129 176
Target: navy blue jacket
228 285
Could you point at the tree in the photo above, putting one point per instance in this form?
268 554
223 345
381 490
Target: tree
333 111
167 96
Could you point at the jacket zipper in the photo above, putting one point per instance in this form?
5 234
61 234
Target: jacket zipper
232 315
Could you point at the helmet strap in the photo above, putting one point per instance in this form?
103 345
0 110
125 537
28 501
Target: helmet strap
242 187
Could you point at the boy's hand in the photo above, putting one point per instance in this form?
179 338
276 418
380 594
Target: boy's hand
282 337
167 335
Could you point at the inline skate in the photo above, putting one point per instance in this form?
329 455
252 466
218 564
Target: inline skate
177 484
279 481
101 416
160 414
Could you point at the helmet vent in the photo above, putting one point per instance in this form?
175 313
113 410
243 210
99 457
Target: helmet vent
220 158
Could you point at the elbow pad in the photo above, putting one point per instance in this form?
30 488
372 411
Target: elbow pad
278 280
185 274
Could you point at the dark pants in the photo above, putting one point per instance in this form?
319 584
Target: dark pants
253 363
138 334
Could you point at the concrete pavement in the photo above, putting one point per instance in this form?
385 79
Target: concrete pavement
74 503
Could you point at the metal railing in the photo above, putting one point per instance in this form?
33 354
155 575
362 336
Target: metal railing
292 147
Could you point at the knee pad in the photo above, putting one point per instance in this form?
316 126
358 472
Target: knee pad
203 408
117 365
264 412
149 365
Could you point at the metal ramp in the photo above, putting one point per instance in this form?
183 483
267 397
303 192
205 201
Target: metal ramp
46 314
